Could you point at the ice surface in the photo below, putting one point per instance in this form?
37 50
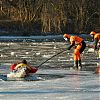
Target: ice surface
74 85
53 80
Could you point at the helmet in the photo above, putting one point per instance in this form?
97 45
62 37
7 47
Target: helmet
66 36
24 61
92 33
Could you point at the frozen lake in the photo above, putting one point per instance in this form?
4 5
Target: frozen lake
54 80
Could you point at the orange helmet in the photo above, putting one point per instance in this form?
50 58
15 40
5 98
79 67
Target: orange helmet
92 33
66 36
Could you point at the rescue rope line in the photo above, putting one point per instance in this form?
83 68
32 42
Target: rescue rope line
50 58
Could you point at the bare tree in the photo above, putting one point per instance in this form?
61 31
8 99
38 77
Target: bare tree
53 15
82 11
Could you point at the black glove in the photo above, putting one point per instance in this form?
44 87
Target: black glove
14 70
71 46
95 48
68 48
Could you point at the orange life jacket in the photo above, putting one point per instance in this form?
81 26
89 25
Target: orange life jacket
76 39
97 36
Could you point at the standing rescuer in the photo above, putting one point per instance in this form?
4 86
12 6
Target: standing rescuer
99 48
96 38
79 45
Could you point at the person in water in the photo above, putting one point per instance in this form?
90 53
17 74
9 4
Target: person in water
28 69
79 45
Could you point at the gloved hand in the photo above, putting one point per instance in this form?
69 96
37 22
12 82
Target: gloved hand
14 70
95 48
68 48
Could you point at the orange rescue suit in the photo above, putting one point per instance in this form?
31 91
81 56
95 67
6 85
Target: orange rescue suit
97 36
78 43
96 39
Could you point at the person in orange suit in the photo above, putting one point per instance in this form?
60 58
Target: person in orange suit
98 48
96 39
79 44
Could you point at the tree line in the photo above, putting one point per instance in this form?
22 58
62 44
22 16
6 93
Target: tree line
54 16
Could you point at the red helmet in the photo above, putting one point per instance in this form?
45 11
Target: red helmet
66 36
92 33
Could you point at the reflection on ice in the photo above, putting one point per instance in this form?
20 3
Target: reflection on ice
47 56
72 86
12 53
